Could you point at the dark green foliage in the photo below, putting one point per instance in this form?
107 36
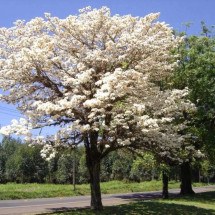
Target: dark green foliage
65 165
197 72
122 166
82 170
107 166
8 147
65 169
144 168
23 164
26 165
2 165
52 170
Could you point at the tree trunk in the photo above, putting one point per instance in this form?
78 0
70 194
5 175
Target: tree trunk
73 170
96 200
199 176
165 180
186 182
93 161
93 164
153 174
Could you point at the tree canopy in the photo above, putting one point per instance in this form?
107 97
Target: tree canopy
94 75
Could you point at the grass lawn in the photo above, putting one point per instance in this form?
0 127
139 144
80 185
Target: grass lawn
24 191
198 204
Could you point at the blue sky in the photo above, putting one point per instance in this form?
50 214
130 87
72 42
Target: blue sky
173 12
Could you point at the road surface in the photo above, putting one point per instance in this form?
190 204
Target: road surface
47 205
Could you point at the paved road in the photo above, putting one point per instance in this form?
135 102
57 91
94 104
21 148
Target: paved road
44 205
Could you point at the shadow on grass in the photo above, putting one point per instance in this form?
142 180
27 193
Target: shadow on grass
140 208
140 196
204 197
148 204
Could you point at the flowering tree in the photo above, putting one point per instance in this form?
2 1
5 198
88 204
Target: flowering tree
92 75
169 138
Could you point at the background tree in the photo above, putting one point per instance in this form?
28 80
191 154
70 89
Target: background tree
107 166
144 168
122 166
65 171
197 71
10 145
2 164
82 170
8 148
26 165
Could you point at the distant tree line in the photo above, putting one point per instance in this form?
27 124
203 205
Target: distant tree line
23 164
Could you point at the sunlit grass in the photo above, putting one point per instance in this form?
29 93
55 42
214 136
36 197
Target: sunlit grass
23 191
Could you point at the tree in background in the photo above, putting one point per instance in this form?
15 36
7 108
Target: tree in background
197 72
92 75
26 165
2 164
144 167
68 167
8 147
122 165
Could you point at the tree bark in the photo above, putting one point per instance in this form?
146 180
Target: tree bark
73 171
93 161
94 171
186 182
165 180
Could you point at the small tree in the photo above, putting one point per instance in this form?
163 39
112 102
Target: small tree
92 75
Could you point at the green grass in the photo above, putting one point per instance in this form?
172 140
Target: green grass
24 191
198 204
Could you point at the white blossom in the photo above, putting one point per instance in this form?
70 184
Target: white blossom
92 74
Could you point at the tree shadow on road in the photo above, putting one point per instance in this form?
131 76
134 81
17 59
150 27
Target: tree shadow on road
140 208
151 204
